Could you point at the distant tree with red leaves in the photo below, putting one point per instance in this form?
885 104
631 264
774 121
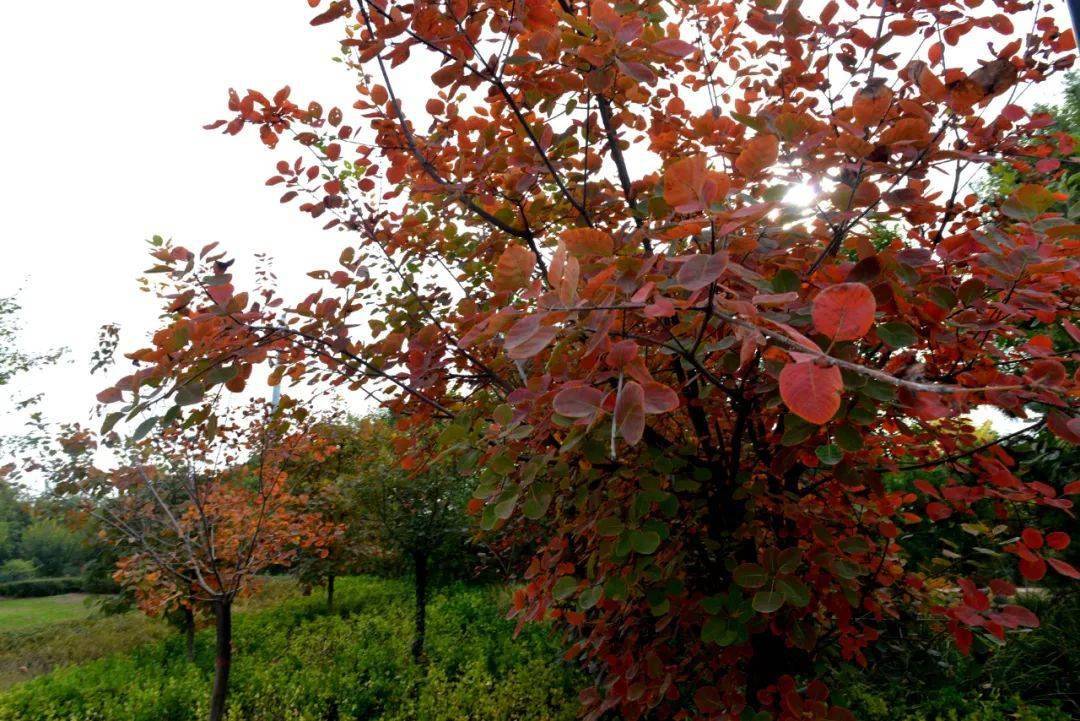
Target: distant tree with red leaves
199 517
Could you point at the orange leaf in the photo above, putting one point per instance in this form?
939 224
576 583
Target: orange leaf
513 268
689 185
844 311
761 152
588 241
812 392
871 103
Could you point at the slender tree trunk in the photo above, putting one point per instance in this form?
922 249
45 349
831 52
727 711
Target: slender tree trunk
330 592
223 661
420 566
189 632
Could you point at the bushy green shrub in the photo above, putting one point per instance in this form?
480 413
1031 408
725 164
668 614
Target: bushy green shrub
55 548
35 587
17 569
1032 677
296 662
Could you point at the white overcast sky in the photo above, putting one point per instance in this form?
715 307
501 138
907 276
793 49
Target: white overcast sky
103 147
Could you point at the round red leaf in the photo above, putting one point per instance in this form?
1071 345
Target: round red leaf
844 311
811 391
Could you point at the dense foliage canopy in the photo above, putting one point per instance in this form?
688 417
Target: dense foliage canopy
684 282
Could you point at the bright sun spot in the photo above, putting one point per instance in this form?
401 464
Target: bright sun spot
800 194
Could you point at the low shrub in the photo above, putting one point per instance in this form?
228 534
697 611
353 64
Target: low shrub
296 662
1032 677
36 587
17 569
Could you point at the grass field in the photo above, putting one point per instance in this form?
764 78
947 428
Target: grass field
38 635
20 614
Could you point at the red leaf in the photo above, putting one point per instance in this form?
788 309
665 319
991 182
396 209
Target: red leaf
1058 540
578 402
1065 569
659 398
673 46
110 395
844 311
1020 616
336 10
630 412
1032 538
527 337
622 353
812 392
1032 570
938 511
698 271
1046 372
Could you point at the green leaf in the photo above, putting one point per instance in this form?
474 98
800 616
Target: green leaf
537 501
564 587
830 455
943 297
854 544
846 569
796 430
719 631
767 601
505 508
451 435
222 374
748 121
188 394
897 334
795 591
488 518
144 428
644 542
589 597
503 415
609 526
616 589
788 559
786 281
750 575
110 421
848 439
879 390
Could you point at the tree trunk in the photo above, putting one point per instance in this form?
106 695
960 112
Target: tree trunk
330 593
420 567
223 661
189 632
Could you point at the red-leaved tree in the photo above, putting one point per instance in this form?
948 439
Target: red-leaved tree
689 279
198 516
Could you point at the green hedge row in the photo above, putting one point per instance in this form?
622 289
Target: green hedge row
34 587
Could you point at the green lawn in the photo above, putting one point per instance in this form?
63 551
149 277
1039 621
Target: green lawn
17 614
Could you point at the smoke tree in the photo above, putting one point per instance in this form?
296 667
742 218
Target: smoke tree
417 517
199 517
685 282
